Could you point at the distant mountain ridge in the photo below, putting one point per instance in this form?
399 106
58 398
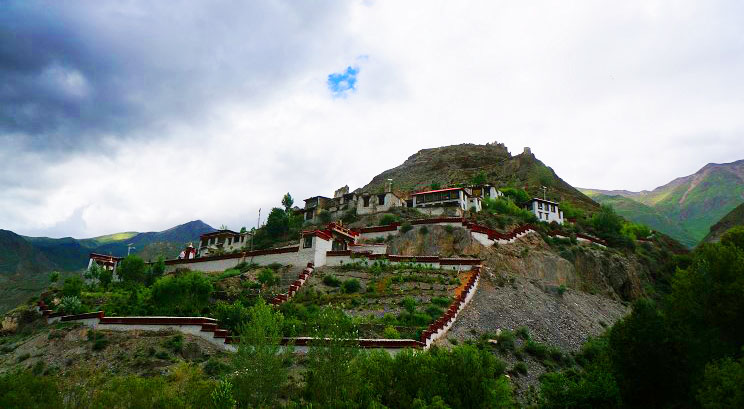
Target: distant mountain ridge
692 203
26 261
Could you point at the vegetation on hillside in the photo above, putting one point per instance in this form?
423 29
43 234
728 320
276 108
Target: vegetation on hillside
684 350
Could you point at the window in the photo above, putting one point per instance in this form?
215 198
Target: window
229 241
308 242
539 215
366 201
539 205
380 200
309 215
204 243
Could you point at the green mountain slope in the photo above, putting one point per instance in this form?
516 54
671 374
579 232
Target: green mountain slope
693 203
641 213
451 165
733 218
23 270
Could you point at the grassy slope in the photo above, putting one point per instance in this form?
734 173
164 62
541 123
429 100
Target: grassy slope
733 218
692 203
641 213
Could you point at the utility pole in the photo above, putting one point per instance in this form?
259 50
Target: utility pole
544 189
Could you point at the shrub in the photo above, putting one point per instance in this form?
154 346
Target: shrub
214 367
187 294
132 269
222 395
331 281
388 219
441 301
71 305
324 216
73 286
449 229
174 343
515 194
231 315
561 289
351 286
267 277
409 304
523 332
162 355
54 276
100 344
23 357
406 227
390 333
26 390
506 341
536 349
350 216
520 368
423 230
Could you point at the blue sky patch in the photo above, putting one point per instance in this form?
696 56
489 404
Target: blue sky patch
342 83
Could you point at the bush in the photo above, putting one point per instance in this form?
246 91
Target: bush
324 216
409 304
214 367
441 301
73 286
520 368
187 294
350 216
423 230
406 227
174 343
231 315
388 219
21 390
331 281
71 305
54 276
506 341
351 286
100 344
561 289
536 349
523 332
390 333
267 277
515 194
132 269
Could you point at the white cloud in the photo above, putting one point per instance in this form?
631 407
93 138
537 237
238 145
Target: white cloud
612 95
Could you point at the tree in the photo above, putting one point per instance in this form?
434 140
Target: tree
734 237
479 179
277 224
54 276
331 377
105 277
606 221
73 286
723 385
260 373
156 271
267 277
132 269
187 294
94 272
224 227
287 202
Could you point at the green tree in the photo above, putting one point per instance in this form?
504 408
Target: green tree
132 269
222 395
734 236
723 385
331 378
260 372
186 294
277 224
22 390
287 202
105 277
479 179
54 276
156 271
517 195
267 277
73 286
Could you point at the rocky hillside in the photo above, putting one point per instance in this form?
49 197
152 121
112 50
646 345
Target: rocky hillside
733 218
452 165
694 203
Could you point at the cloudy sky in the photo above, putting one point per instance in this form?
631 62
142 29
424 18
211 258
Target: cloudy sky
140 115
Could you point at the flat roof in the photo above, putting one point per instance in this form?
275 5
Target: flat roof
317 197
439 190
221 232
541 200
108 256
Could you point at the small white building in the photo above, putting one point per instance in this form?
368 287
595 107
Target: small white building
545 210
368 203
224 240
451 201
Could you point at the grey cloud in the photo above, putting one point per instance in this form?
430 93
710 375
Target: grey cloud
73 72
